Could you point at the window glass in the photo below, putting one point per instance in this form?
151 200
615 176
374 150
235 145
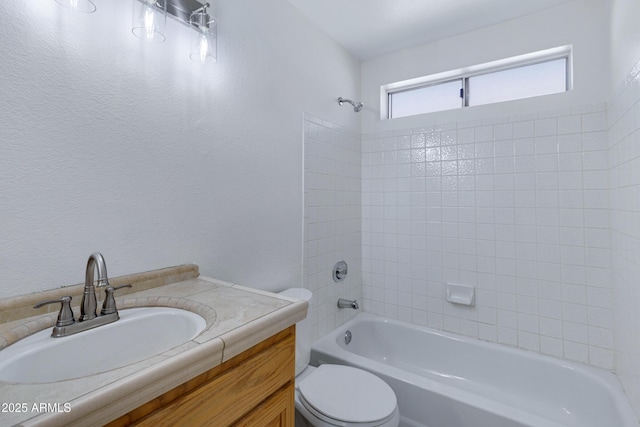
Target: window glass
427 99
523 82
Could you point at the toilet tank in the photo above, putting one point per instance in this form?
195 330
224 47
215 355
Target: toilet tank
303 328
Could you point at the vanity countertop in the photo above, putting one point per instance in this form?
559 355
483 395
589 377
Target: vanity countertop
237 318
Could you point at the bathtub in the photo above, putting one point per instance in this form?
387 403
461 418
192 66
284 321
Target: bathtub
444 380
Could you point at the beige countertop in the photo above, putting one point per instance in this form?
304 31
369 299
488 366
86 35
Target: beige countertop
237 318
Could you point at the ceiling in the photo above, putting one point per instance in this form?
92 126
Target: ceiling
370 28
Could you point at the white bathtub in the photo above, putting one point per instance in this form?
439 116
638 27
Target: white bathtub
444 380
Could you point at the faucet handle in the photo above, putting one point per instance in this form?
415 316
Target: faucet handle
65 316
109 304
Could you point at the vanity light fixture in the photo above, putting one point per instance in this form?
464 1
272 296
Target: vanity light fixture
148 19
84 6
204 37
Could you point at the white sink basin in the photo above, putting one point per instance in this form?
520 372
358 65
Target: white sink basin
139 334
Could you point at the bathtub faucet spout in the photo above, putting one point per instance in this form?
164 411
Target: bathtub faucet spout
347 303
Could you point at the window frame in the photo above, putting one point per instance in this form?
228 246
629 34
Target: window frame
465 73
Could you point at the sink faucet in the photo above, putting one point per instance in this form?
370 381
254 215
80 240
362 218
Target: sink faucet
89 304
66 323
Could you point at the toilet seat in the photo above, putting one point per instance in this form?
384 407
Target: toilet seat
345 396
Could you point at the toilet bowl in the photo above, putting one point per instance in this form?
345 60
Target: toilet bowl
337 395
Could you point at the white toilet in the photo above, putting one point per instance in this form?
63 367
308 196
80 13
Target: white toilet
336 395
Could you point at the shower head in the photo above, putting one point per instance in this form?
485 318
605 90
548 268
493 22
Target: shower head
357 106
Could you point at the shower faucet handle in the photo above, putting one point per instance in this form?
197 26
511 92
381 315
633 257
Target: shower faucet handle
340 271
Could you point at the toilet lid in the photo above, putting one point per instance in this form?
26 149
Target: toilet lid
348 394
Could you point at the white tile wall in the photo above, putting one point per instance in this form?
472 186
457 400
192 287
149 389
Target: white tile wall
332 221
516 206
624 161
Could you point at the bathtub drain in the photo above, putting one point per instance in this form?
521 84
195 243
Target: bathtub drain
347 337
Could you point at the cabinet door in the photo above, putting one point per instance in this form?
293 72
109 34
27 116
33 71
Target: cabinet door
277 411
231 392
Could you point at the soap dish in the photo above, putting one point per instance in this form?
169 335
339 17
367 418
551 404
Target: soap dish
461 294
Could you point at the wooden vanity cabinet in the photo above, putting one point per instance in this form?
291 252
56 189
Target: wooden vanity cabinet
255 388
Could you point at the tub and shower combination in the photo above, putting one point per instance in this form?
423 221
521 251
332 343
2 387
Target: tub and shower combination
444 380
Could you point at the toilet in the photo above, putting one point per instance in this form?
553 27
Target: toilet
337 395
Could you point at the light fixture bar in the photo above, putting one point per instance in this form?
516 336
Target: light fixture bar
181 10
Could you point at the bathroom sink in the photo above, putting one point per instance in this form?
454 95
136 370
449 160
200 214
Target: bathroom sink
139 334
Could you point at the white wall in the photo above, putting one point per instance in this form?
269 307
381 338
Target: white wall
115 146
579 23
624 41
624 163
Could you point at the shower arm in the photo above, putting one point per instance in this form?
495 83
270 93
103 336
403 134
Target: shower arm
357 106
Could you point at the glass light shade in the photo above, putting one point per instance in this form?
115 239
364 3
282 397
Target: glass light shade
84 6
148 20
204 43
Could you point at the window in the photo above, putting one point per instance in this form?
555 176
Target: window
426 99
536 74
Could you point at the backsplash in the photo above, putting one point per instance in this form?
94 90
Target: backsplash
21 307
516 206
332 224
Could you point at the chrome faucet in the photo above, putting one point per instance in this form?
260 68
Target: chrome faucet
347 303
89 304
66 323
